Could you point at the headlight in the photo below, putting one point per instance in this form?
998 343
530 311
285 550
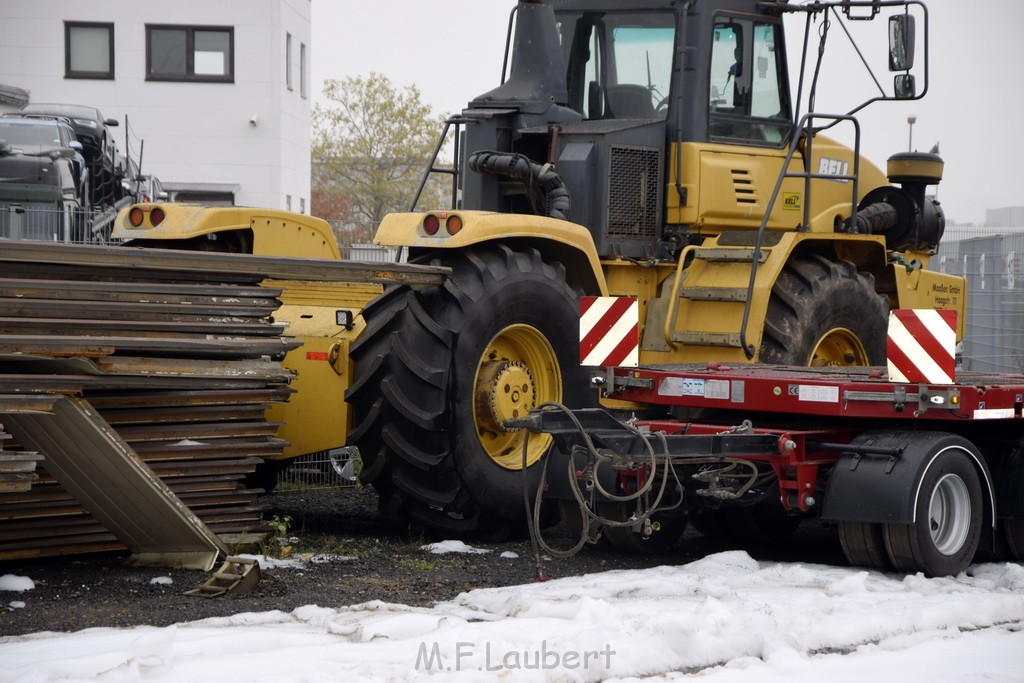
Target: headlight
86 122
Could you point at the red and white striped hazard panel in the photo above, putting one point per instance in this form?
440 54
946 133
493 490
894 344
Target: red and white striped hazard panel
922 346
609 331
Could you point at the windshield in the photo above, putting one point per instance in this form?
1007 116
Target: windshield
71 110
29 134
619 64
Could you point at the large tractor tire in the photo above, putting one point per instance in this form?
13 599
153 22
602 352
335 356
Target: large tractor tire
823 313
438 370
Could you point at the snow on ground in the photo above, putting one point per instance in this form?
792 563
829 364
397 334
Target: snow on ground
12 582
444 547
726 617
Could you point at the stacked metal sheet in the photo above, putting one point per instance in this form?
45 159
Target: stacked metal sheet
17 468
180 358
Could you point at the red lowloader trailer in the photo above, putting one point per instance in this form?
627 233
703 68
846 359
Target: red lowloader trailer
916 476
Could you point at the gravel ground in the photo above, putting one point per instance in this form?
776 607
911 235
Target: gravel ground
387 563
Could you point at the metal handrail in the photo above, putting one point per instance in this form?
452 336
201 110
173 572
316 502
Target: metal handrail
432 167
804 130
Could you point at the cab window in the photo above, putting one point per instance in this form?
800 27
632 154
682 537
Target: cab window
619 65
746 87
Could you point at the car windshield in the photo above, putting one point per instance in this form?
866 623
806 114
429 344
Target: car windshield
29 134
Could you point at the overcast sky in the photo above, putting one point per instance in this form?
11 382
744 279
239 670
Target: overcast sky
452 51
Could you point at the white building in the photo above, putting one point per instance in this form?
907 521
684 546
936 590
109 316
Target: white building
218 92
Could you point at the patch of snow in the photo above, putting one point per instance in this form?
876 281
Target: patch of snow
510 555
724 618
162 580
324 558
442 547
275 562
18 584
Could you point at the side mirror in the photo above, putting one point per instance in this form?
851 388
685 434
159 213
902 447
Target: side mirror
113 122
901 42
904 87
76 145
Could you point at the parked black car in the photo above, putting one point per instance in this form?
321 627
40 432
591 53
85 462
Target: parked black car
39 135
38 197
91 129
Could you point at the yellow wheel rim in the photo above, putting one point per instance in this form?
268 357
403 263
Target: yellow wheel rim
838 346
517 371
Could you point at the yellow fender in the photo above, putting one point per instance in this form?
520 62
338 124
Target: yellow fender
569 243
276 233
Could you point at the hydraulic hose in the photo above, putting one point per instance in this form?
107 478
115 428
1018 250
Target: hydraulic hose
541 180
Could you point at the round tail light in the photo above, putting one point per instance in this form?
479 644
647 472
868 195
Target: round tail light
156 216
431 224
453 224
135 216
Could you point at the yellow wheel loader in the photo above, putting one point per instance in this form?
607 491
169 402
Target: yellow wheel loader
653 149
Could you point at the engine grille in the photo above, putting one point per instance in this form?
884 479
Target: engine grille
633 192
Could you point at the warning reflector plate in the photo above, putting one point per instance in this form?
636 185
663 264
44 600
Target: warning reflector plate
922 346
609 331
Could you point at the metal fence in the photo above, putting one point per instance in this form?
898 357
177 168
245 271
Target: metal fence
45 222
316 471
992 261
372 252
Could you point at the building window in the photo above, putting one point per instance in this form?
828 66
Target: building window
288 60
303 86
302 205
287 202
88 50
190 53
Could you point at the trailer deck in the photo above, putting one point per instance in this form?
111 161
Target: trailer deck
854 392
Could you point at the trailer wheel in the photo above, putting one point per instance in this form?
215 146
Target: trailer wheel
665 534
761 525
864 545
824 313
711 522
948 517
1013 531
438 370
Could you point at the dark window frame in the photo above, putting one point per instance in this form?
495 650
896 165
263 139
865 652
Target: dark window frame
288 61
96 75
190 76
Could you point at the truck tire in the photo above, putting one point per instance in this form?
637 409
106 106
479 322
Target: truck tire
436 372
1013 532
823 312
864 545
711 522
761 525
668 530
948 516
